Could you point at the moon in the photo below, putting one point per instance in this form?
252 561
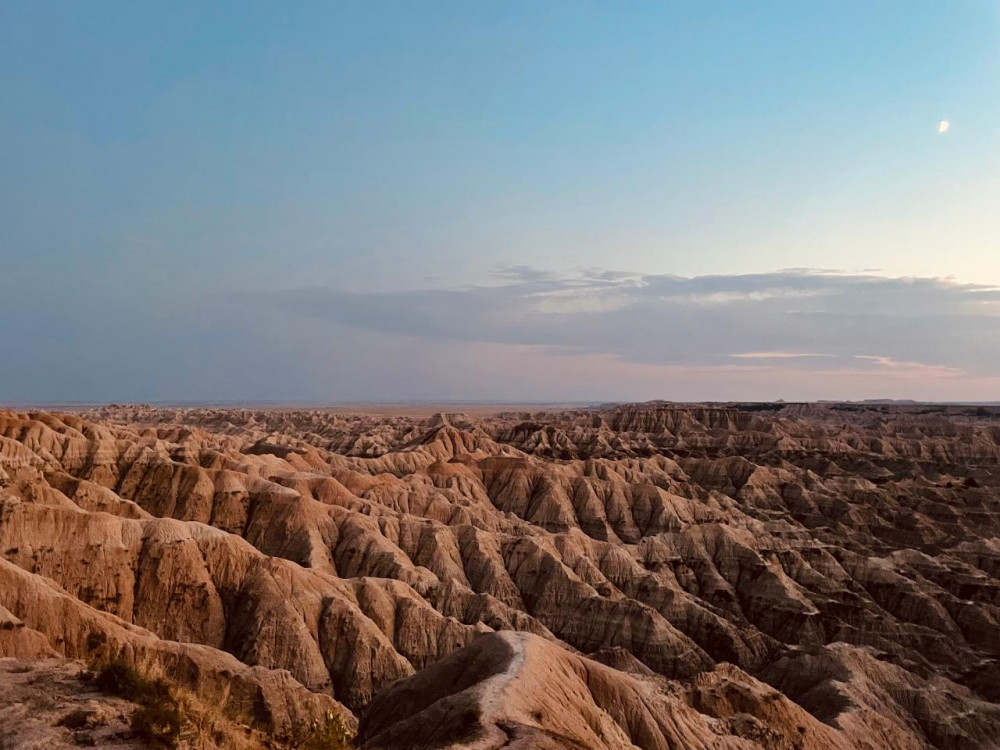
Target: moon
943 126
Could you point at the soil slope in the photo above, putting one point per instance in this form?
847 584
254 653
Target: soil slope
651 575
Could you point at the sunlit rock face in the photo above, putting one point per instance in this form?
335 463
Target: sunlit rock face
650 575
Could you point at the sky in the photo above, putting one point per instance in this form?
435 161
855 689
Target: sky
516 201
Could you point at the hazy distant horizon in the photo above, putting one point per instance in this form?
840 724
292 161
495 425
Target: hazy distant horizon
487 403
519 202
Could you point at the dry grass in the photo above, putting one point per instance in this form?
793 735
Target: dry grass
169 716
157 720
333 734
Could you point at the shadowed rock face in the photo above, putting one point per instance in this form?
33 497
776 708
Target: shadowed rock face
654 575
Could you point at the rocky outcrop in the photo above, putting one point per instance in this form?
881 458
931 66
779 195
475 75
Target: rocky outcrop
659 575
514 690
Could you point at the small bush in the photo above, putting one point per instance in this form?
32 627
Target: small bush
118 678
158 720
95 640
332 735
79 719
158 723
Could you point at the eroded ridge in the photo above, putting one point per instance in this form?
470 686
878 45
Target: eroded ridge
651 575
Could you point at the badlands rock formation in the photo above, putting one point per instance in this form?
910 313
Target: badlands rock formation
652 576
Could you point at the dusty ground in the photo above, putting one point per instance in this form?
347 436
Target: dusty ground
47 705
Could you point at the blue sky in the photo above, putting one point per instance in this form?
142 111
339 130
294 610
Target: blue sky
222 201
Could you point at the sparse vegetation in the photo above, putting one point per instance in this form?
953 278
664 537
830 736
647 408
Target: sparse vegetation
167 714
158 718
78 719
95 640
333 734
118 678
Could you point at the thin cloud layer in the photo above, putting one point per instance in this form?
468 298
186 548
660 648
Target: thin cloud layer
777 355
801 319
527 335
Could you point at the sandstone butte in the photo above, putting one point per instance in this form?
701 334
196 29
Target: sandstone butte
653 576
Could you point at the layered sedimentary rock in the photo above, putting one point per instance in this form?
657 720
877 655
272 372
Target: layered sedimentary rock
651 575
